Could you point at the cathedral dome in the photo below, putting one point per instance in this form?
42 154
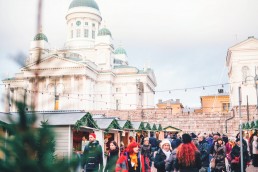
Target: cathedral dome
120 50
84 3
104 31
40 36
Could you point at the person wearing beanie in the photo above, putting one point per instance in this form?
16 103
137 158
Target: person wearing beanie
162 155
132 160
92 155
219 155
188 158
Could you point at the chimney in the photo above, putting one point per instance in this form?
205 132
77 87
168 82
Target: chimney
220 91
249 37
160 101
177 100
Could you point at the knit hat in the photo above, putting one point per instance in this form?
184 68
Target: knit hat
186 138
93 135
165 141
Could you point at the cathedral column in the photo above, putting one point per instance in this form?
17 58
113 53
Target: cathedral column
7 98
85 92
72 91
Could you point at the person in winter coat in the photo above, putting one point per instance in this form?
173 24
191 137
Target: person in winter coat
204 149
219 154
170 164
235 155
92 155
132 160
153 142
188 158
162 155
112 157
255 150
146 149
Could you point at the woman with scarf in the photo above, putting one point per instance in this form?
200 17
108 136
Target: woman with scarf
132 161
112 157
162 155
146 149
219 155
188 158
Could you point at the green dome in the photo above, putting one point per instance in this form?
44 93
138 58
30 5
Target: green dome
85 3
40 36
120 50
103 32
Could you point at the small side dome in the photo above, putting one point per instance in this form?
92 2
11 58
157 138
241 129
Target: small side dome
40 36
84 3
120 50
104 31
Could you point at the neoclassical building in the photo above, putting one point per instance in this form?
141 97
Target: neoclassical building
89 73
242 63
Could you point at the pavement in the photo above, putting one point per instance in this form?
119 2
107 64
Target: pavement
249 169
252 169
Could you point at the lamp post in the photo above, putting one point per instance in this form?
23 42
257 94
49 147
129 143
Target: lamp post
56 105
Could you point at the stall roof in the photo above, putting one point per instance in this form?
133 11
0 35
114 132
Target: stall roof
138 125
125 124
153 127
53 118
170 128
107 123
147 126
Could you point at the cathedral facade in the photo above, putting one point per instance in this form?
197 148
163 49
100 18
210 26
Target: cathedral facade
89 73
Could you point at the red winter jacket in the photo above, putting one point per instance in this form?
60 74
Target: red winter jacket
122 163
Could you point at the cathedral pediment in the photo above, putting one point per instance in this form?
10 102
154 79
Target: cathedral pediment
54 62
249 44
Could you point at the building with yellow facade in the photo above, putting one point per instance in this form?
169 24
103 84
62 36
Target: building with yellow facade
218 103
175 105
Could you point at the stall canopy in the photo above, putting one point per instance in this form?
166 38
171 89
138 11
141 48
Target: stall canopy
125 124
243 126
252 124
247 126
147 126
160 127
107 124
86 121
138 126
172 129
153 127
256 124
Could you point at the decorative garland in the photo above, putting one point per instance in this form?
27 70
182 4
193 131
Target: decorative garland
148 127
154 128
160 128
114 124
86 120
128 125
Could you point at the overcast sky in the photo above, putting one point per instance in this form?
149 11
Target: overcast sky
184 41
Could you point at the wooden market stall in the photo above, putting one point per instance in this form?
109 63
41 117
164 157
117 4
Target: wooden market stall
110 131
171 130
139 128
127 131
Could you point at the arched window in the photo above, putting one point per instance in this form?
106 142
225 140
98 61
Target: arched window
245 73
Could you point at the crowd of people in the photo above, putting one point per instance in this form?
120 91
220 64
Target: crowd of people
176 153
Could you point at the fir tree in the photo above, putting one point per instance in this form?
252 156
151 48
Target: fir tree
31 148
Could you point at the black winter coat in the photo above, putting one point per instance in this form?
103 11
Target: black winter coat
159 161
235 152
204 149
193 168
111 160
92 156
219 155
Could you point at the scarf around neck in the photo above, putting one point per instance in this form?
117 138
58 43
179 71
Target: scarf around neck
167 153
134 160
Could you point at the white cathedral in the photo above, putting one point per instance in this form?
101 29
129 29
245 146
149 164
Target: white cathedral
87 74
